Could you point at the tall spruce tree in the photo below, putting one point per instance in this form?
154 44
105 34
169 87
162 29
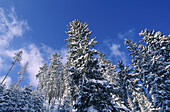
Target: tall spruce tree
70 87
56 77
151 61
43 84
124 82
93 89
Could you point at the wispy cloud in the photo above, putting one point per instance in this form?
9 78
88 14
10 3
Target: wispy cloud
116 52
1 63
128 34
116 45
32 55
11 28
35 59
47 51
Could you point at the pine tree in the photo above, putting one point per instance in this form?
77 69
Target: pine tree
120 79
66 107
93 89
124 82
17 58
56 77
70 87
43 77
3 98
108 69
19 79
17 99
151 61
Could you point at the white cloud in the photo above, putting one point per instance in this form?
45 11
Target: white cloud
34 58
115 47
1 63
7 81
130 33
115 51
10 27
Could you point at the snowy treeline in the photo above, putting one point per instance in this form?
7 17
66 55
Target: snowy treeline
88 82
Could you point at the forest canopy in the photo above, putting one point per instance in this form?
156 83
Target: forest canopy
89 82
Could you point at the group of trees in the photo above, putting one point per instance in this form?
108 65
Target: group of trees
88 82
17 99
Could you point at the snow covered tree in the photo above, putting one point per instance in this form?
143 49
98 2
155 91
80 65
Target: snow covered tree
52 108
17 99
17 58
124 82
56 77
141 101
66 107
70 87
120 79
43 80
3 98
32 101
108 69
151 61
94 91
21 72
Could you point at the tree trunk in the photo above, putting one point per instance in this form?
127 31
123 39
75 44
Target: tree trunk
13 63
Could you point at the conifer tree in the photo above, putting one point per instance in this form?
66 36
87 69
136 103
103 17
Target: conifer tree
108 69
43 84
151 61
21 72
124 82
3 98
17 58
17 99
93 89
70 87
56 77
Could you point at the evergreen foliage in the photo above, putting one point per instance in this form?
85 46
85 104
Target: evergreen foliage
88 82
151 62
43 80
124 82
93 89
20 100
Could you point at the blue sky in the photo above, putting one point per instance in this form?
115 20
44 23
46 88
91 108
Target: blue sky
38 28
